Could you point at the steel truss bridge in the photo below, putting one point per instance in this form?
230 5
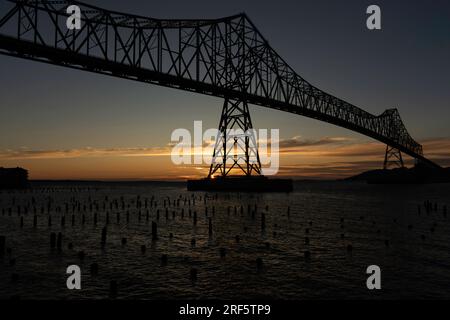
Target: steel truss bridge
227 58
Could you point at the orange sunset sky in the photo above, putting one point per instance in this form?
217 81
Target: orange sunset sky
327 158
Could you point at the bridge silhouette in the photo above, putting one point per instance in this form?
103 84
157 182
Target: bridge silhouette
227 58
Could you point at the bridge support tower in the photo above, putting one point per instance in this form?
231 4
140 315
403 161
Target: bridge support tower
236 165
236 146
393 158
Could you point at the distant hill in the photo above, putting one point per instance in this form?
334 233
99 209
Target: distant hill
417 174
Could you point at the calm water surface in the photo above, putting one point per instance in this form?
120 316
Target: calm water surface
382 224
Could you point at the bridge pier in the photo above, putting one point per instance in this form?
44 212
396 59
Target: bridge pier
236 147
235 164
393 158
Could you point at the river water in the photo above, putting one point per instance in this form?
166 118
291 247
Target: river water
241 259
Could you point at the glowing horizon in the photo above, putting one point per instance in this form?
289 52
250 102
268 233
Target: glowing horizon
326 158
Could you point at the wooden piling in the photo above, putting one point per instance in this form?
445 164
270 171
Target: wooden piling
14 277
193 274
94 269
164 260
59 241
263 221
307 255
113 289
154 231
2 245
259 264
103 239
53 240
81 255
210 230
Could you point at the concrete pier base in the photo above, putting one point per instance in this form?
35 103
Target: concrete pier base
241 184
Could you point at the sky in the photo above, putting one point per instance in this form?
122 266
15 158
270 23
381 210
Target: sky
67 124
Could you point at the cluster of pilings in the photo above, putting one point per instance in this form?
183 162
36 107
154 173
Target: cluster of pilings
45 211
432 207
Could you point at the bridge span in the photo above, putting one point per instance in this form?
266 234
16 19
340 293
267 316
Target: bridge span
225 57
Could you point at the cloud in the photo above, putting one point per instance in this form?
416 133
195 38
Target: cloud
340 160
297 141
330 170
437 149
325 158
23 153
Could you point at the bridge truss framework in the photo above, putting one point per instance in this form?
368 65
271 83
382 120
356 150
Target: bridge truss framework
227 58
